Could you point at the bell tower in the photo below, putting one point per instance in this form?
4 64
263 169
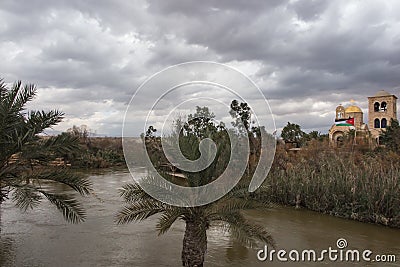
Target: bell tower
340 112
381 109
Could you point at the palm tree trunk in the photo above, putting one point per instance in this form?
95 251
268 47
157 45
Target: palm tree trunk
194 245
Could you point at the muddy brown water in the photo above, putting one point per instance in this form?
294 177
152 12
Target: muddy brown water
40 237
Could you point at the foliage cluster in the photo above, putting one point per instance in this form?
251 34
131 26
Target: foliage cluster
225 213
26 168
347 182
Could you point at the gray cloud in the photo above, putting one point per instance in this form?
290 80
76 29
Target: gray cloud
90 56
309 10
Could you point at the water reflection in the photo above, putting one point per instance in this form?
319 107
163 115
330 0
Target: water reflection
7 248
42 238
235 251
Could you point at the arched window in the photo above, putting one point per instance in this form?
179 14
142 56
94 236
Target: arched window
376 107
383 123
339 141
383 106
377 123
380 141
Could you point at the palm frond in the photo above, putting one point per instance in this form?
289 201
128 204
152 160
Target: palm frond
70 208
3 90
50 148
40 120
13 100
74 180
168 218
245 232
19 95
62 144
228 212
20 142
141 205
26 196
230 205
251 234
241 190
139 211
133 192
12 94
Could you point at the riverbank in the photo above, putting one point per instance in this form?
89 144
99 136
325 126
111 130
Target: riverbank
97 153
347 183
362 187
50 241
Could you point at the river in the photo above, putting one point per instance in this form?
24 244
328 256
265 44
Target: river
40 237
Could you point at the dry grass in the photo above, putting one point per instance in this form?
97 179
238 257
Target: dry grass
360 186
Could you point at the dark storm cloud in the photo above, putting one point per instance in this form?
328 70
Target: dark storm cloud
333 52
309 10
171 50
193 8
90 56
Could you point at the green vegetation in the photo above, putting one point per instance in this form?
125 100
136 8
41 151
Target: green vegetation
94 152
225 213
351 182
391 136
27 160
293 134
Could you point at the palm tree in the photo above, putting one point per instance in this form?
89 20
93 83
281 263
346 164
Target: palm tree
225 213
25 158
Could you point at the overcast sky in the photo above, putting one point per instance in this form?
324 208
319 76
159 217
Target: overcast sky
87 58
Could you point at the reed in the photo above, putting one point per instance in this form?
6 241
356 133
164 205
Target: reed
98 152
364 187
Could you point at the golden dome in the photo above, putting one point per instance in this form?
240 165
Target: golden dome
352 109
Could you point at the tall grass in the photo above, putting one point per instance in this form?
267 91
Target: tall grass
98 152
364 187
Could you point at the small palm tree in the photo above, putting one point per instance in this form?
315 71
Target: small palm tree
225 213
25 158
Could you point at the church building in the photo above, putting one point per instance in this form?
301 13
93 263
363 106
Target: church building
381 109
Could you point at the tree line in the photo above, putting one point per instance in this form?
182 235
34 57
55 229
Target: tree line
361 185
